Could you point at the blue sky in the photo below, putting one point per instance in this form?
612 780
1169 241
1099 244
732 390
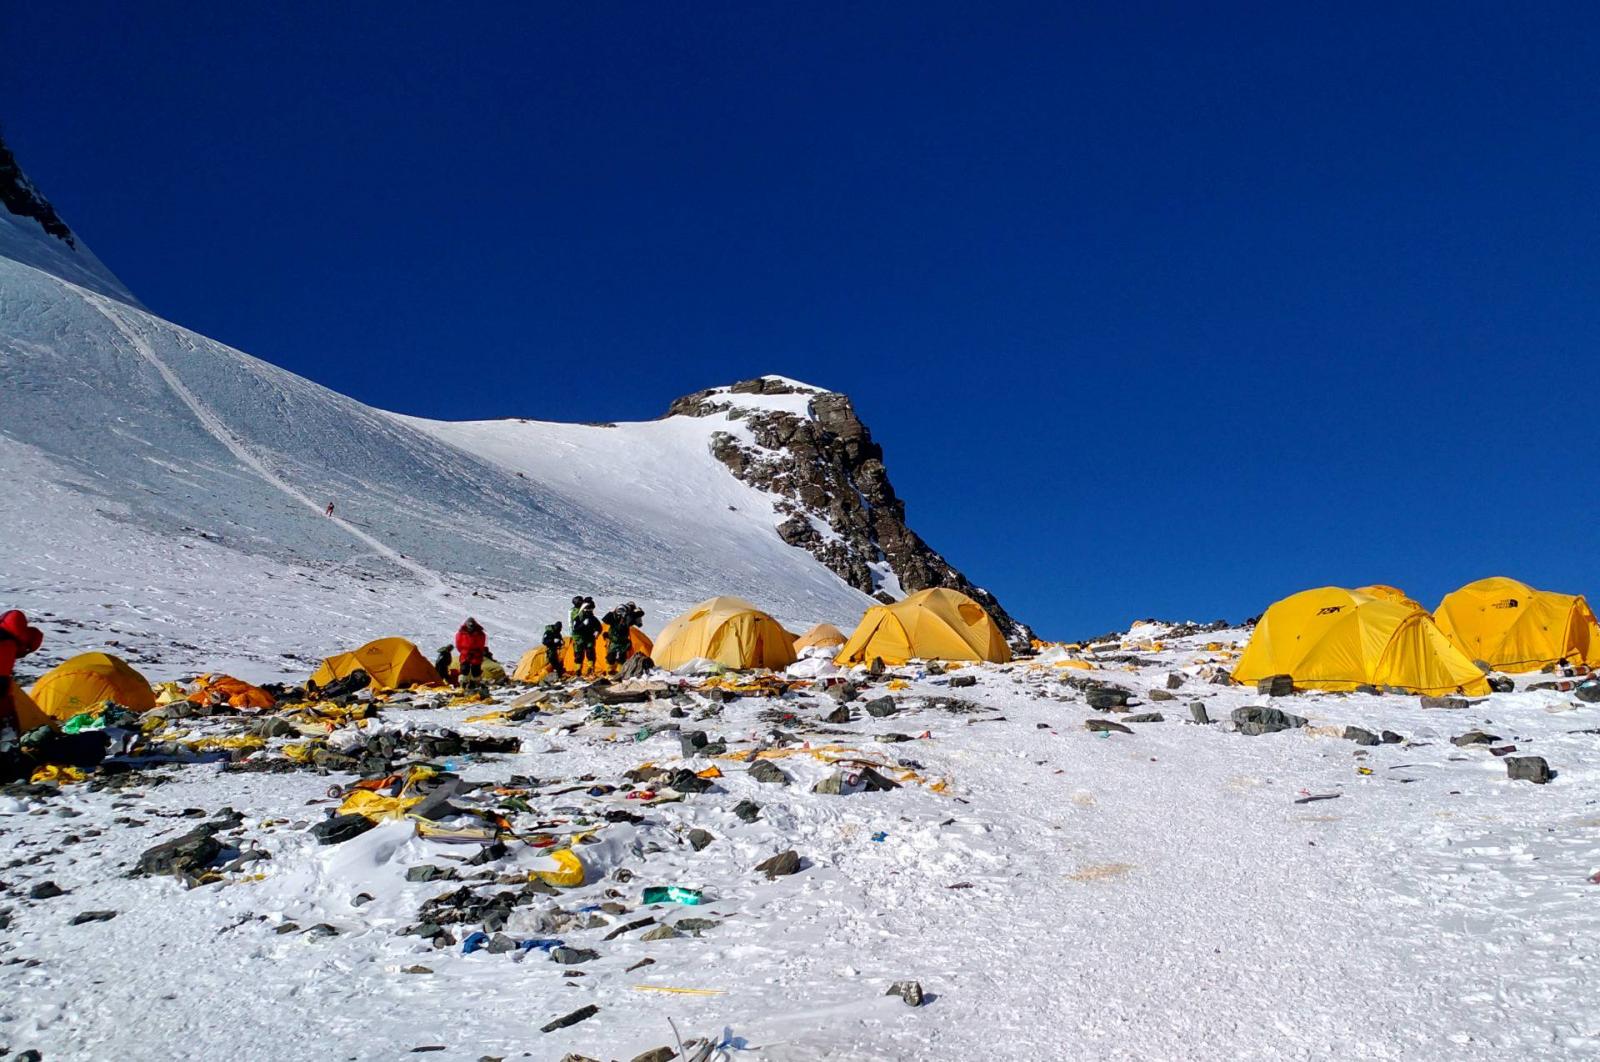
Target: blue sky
1157 311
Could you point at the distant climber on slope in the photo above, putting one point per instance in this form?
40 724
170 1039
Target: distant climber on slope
329 510
17 639
552 648
471 646
584 632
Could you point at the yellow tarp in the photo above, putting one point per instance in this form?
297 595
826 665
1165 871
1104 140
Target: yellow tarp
77 685
936 624
29 714
729 630
1512 627
569 872
392 663
533 665
376 806
1336 639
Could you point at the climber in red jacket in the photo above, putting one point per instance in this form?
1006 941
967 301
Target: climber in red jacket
472 644
17 639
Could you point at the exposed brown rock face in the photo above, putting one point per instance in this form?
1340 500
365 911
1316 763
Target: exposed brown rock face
829 481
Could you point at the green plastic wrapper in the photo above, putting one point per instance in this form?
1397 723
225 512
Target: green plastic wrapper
672 894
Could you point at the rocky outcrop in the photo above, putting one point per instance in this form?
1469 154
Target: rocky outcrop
20 197
831 486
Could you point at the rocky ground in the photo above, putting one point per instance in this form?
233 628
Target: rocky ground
1032 860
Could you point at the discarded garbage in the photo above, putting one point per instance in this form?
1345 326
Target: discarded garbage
473 942
672 894
880 836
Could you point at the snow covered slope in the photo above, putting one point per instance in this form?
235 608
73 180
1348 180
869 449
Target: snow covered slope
133 447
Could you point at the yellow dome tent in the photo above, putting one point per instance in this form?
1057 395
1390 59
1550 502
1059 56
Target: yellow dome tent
824 634
533 666
1336 639
79 684
1512 627
935 624
392 663
1390 593
29 715
729 630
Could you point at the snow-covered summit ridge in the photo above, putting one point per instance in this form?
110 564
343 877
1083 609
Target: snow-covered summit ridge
31 232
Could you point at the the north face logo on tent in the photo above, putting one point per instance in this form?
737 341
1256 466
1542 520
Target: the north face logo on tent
1509 602
1330 610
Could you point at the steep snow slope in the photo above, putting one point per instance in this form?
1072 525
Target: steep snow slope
177 438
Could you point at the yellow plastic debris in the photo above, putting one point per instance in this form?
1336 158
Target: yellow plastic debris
679 991
489 717
1076 665
246 742
300 753
376 806
568 873
899 684
60 775
708 773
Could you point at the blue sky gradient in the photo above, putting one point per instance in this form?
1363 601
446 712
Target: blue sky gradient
1157 311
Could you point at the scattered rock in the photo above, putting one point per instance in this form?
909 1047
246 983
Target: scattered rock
1254 721
1453 703
879 707
659 1054
572 956
1174 680
46 890
583 1013
1475 737
662 932
780 865
768 773
961 682
417 970
1161 695
1107 698
747 810
1527 769
93 916
1146 717
699 838
1360 736
840 714
1276 686
1197 713
910 991
1389 737
695 925
185 856
1105 726
341 828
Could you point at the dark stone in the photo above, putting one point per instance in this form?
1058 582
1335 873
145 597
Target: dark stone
780 865
1360 736
699 838
1107 698
1174 680
910 991
1197 713
46 890
1454 703
686 781
844 692
961 682
573 956
583 1013
1146 717
323 929
747 810
768 773
429 872
695 925
1105 726
690 742
499 944
840 714
1475 737
1501 683
1389 737
93 916
656 1054
185 856
1255 721
880 707
1161 695
1276 686
1527 769
341 828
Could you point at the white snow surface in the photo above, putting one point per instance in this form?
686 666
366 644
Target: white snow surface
170 488
1159 894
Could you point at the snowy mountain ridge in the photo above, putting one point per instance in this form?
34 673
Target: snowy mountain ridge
178 482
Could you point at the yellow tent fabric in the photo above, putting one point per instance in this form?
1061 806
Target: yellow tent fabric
1390 593
937 624
533 667
392 663
29 715
1512 627
822 634
493 670
1331 638
79 684
729 630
